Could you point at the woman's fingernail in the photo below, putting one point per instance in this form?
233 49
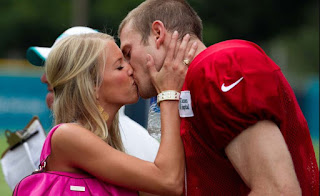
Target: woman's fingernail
195 44
175 33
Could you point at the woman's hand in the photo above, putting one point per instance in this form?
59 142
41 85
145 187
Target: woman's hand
172 74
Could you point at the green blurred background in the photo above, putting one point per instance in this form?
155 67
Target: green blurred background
288 30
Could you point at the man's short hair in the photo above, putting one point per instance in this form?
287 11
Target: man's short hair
175 15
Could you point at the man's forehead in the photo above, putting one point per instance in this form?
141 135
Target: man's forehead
128 35
124 41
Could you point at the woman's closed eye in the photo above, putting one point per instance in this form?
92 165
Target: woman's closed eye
120 67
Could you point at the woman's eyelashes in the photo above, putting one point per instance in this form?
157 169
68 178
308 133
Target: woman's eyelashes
120 67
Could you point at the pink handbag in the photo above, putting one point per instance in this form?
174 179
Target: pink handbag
64 183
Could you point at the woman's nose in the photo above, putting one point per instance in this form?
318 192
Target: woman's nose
44 79
130 70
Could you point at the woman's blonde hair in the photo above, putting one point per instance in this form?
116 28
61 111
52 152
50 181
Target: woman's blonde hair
74 69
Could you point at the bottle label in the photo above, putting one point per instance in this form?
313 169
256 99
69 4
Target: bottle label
185 108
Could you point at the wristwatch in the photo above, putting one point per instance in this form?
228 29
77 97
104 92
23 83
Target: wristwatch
168 95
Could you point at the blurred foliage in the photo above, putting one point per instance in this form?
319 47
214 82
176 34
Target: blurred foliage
252 20
288 30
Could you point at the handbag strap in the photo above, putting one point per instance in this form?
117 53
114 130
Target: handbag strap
46 149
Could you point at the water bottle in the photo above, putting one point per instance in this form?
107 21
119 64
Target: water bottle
154 120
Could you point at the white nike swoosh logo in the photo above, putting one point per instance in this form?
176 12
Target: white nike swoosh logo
227 88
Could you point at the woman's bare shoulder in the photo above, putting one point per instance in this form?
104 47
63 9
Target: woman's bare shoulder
71 129
72 134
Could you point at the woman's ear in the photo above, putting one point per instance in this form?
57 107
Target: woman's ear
96 92
158 31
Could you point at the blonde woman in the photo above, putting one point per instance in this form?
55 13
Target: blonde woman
91 81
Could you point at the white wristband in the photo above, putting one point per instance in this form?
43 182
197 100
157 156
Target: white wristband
168 95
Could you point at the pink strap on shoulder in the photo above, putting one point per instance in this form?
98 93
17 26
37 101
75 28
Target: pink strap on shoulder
46 149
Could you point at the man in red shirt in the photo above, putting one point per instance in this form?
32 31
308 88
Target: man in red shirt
242 128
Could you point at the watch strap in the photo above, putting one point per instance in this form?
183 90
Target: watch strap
168 95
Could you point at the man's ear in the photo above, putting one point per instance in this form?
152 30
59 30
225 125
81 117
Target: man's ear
159 32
